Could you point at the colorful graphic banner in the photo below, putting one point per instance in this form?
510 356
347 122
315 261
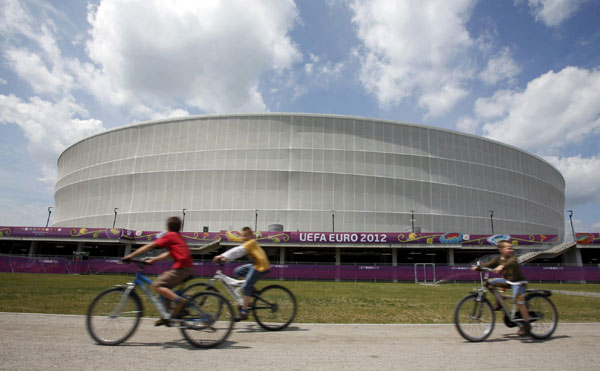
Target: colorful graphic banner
588 238
516 239
62 232
309 238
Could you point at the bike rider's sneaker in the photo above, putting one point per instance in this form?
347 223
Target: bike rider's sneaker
242 315
524 330
180 308
161 322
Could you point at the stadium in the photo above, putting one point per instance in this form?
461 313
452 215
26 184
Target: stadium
351 189
307 173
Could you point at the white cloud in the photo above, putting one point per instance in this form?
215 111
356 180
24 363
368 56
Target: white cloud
31 68
322 73
500 67
553 12
467 125
49 127
555 109
582 176
43 69
208 55
3 82
404 55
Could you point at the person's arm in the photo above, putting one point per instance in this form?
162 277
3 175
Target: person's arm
231 254
163 256
142 250
491 264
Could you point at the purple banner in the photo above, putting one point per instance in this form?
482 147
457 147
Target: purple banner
293 237
301 271
62 232
516 239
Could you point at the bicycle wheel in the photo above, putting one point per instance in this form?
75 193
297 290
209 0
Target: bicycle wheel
112 318
274 307
543 316
208 321
474 319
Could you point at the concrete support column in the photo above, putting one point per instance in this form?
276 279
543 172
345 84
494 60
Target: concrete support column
282 255
450 256
79 246
573 257
281 262
33 248
338 261
127 249
395 263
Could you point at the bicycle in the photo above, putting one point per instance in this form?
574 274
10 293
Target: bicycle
114 315
474 316
273 307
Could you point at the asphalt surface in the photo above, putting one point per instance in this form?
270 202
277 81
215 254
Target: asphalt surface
47 342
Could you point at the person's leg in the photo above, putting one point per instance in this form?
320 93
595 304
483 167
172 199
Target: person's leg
163 283
163 286
251 278
519 298
242 270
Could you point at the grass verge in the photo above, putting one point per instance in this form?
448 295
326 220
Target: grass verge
318 301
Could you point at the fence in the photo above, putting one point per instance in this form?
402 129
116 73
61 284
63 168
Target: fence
295 271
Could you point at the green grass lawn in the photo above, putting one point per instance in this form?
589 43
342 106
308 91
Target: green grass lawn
318 302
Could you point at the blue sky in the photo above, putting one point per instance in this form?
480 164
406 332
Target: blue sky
525 72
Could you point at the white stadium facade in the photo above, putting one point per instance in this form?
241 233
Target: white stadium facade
305 172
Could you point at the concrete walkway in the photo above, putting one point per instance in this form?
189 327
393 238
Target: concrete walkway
43 342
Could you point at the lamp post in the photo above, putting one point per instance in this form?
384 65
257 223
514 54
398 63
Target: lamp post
571 220
333 221
115 219
183 220
412 221
49 212
492 220
255 219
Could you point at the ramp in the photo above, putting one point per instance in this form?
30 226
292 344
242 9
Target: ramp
205 249
548 253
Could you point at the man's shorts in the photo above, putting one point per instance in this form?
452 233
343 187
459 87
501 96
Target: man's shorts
173 277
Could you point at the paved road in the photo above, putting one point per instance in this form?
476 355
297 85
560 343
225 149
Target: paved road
42 342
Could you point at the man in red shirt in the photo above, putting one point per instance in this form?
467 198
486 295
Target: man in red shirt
182 269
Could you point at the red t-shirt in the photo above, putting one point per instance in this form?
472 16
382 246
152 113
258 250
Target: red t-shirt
177 248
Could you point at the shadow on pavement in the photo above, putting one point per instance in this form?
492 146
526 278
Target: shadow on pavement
252 328
183 344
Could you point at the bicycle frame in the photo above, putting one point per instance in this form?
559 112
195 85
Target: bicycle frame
499 297
142 282
232 285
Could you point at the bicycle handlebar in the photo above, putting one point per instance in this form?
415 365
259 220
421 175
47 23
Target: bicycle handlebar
139 262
